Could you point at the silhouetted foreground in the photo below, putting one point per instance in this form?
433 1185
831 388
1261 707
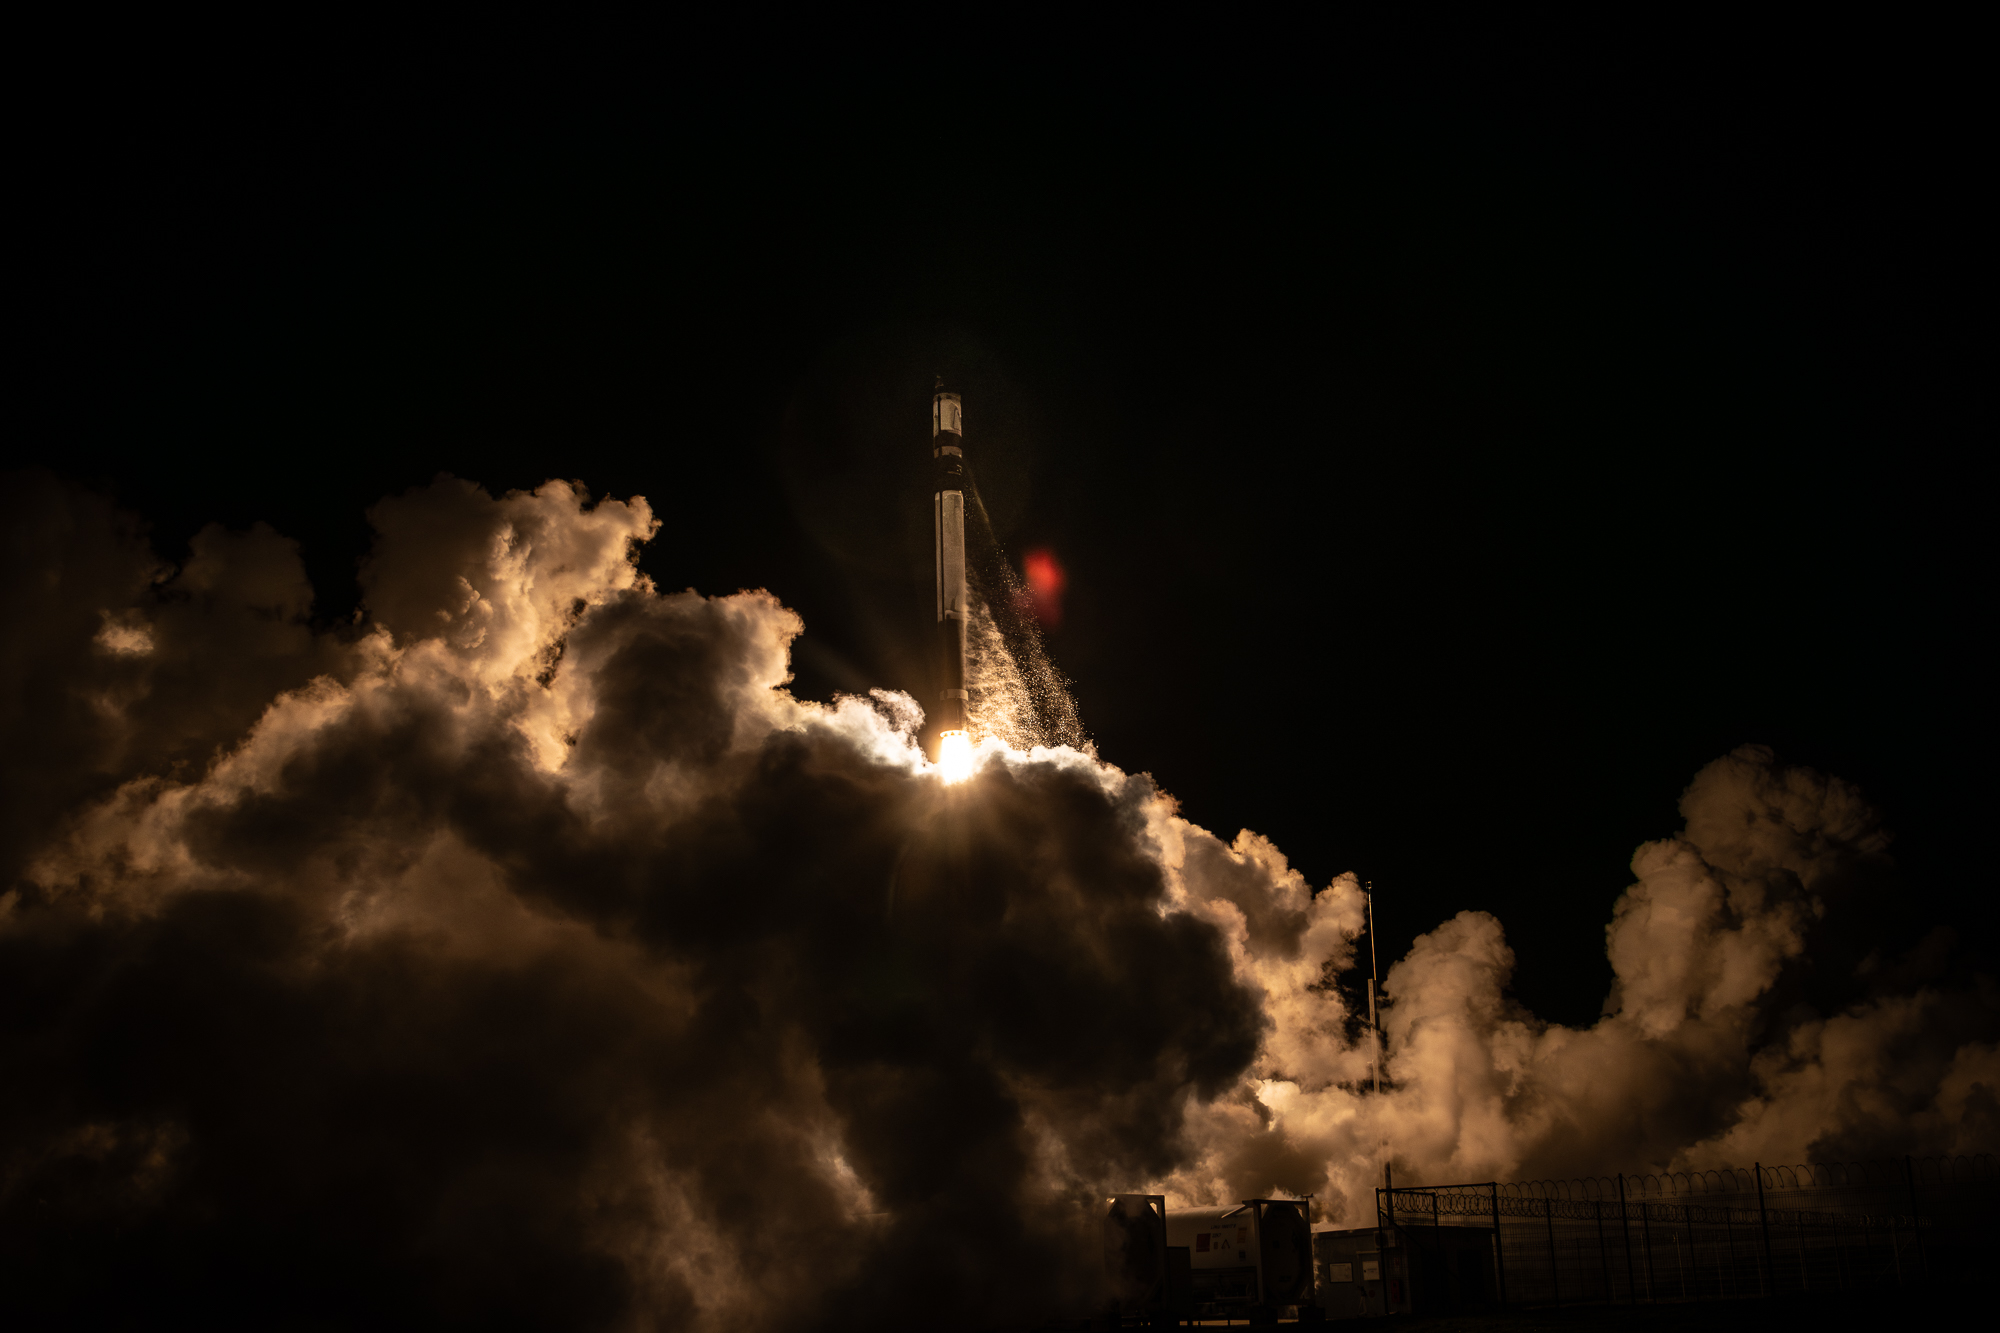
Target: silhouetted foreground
1829 1311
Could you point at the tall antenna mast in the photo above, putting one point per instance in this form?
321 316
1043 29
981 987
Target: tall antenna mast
1374 1027
1375 1048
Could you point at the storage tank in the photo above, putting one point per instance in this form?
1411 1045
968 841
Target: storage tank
1135 1251
1254 1253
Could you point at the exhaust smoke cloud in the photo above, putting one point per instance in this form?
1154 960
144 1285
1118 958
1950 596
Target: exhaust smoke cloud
527 955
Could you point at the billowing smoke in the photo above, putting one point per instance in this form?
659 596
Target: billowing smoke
1706 1054
526 955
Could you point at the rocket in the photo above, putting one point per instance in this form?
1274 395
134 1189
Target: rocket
948 512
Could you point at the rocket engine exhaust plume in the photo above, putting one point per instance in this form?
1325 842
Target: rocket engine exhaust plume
526 954
954 755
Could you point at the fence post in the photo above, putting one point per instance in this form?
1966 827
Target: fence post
1896 1249
1555 1278
1603 1251
1687 1227
1499 1261
1729 1234
1799 1234
1646 1234
1916 1219
1767 1276
1625 1222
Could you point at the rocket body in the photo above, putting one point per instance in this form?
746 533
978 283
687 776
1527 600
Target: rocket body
948 515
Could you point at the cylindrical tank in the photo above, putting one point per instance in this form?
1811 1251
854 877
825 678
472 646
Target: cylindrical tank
1284 1236
1135 1250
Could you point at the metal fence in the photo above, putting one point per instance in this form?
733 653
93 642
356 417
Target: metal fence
1758 1231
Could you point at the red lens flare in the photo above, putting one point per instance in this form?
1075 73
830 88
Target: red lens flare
1046 581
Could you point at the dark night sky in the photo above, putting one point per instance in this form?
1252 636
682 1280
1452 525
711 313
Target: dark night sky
1453 443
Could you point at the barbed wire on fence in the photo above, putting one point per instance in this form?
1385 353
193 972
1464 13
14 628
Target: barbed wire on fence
1415 1202
1963 1169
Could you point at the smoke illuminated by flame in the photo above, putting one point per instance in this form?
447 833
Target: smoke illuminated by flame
486 957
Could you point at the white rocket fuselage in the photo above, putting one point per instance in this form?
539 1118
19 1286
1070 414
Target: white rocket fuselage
948 514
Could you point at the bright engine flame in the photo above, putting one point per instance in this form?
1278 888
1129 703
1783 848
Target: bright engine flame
954 756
